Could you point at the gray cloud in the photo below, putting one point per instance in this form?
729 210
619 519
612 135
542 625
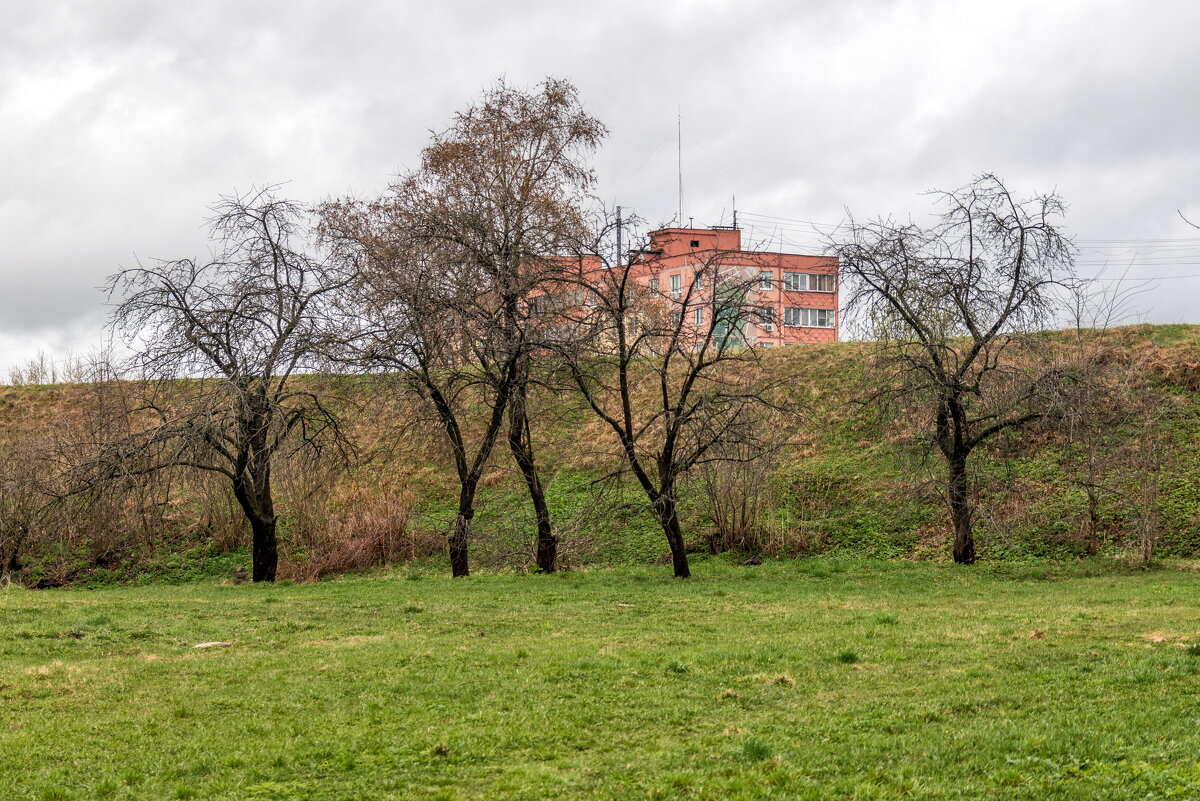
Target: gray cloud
123 120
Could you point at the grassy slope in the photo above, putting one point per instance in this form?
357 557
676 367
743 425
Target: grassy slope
844 484
815 679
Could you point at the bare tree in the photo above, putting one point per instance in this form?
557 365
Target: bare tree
673 379
737 487
1110 393
236 331
420 313
457 252
954 307
52 507
25 499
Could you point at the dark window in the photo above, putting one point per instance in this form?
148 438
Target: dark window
695 243
820 283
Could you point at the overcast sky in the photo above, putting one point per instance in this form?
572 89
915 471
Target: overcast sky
120 122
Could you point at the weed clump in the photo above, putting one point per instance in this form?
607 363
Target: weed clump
756 750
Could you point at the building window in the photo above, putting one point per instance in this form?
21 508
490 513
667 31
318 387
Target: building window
698 282
695 243
676 317
765 344
653 284
820 283
808 282
676 286
698 316
766 319
766 280
808 318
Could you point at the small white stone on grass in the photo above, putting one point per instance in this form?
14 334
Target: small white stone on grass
214 644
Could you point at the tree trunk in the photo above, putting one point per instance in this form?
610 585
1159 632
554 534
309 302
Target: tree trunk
1147 517
459 565
521 444
254 496
665 506
1093 521
12 563
11 566
265 549
461 535
960 510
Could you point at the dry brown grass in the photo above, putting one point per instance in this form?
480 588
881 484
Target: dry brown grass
371 531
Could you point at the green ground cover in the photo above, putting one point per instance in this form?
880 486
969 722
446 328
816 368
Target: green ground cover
822 678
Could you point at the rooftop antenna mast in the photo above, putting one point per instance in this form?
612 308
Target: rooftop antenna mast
735 210
679 157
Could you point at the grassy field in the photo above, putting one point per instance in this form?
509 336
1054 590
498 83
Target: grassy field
823 678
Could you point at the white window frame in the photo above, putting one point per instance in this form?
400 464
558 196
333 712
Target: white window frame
795 282
652 283
766 280
698 315
676 286
766 318
795 317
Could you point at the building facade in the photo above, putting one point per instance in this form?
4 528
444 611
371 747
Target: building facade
795 296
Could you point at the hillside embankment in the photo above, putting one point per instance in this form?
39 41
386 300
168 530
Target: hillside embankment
1118 478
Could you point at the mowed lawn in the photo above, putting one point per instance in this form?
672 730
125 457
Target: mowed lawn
815 679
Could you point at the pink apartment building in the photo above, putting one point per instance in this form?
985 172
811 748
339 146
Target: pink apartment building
796 296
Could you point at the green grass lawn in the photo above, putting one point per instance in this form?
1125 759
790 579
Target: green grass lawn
812 679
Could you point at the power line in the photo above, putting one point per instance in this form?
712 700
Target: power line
1177 242
790 234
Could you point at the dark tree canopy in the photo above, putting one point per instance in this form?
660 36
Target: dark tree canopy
239 327
503 185
630 344
953 307
452 255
